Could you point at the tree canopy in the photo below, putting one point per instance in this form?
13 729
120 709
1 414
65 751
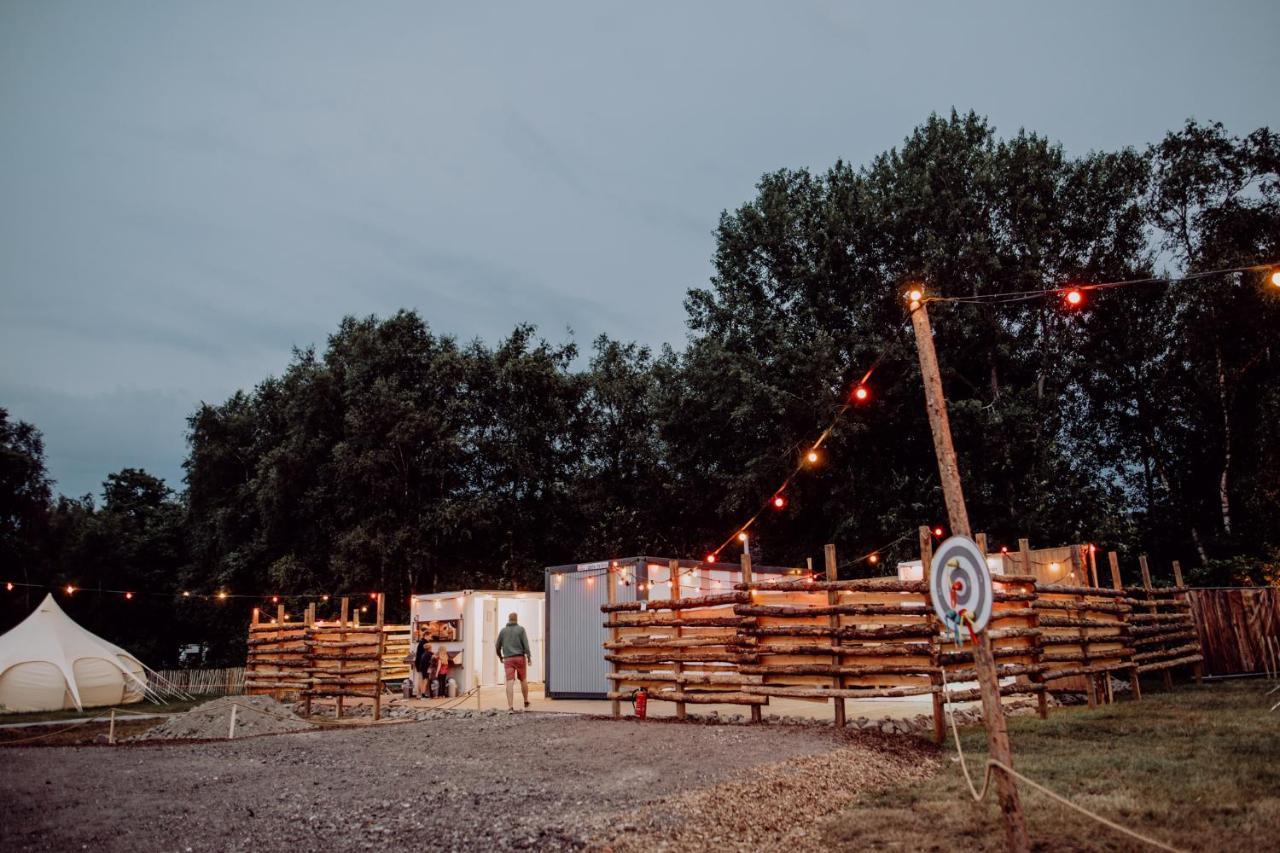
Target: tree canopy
399 459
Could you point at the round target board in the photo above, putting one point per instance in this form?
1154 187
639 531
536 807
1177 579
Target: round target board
960 584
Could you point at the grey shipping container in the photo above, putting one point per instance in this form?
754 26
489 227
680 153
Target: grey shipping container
574 665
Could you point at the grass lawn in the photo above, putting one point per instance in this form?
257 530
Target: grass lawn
1197 768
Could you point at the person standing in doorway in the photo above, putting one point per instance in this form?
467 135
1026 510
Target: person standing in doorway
513 650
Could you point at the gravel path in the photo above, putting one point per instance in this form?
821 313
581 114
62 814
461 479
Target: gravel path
530 781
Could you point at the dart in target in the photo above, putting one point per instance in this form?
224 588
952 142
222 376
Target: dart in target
960 586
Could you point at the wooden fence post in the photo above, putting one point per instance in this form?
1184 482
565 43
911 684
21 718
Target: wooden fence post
1198 669
756 715
382 642
611 597
1024 560
935 643
1165 674
833 598
343 614
673 570
1114 562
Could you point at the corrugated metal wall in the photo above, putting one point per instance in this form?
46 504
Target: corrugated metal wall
575 657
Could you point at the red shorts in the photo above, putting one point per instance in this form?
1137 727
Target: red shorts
516 667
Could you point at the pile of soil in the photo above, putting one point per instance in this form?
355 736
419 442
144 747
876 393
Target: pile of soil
255 715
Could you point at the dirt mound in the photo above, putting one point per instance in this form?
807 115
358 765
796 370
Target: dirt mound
255 715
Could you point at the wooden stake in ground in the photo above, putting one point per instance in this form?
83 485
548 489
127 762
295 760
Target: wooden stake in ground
673 572
611 596
935 647
1015 822
382 643
345 611
833 597
756 716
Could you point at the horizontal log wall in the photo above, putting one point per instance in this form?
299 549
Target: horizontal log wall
317 659
1085 636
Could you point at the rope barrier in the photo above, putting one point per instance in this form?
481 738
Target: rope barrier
978 796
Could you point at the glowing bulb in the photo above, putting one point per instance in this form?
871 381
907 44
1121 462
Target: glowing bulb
364 608
1054 567
812 457
711 558
373 595
186 594
9 586
128 595
1004 549
861 393
1275 278
324 598
1074 297
591 581
222 596
915 294
275 599
873 559
779 502
70 589
937 531
742 537
641 587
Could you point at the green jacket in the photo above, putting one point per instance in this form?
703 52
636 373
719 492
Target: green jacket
513 642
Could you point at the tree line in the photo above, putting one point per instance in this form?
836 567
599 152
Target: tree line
397 458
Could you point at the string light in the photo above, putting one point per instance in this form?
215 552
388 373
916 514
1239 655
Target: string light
324 598
742 536
938 531
711 558
779 501
275 599
9 586
70 589
861 394
915 294
873 559
186 594
128 596
1073 297
812 456
1275 278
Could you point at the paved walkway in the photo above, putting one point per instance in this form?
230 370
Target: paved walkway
495 697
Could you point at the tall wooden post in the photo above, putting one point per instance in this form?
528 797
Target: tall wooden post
1165 675
1015 823
1177 574
673 570
1197 669
342 623
382 643
1024 560
1093 566
756 716
1114 562
833 598
611 596
935 645
1078 575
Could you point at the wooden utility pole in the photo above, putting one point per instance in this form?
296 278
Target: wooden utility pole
833 598
1015 822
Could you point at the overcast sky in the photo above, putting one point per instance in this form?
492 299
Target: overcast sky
188 190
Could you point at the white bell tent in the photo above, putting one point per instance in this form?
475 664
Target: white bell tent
49 663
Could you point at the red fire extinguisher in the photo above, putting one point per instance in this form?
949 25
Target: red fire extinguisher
641 700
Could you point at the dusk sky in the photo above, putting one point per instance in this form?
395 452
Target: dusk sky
189 190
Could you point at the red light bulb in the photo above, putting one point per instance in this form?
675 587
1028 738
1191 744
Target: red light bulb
779 501
1074 297
861 394
711 558
937 531
128 595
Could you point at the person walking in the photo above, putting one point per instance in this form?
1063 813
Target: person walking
422 664
442 670
513 650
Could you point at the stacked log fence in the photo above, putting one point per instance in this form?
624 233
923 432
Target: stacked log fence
686 650
829 640
1085 638
311 659
1161 625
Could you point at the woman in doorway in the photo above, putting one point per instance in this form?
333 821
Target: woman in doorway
442 670
422 665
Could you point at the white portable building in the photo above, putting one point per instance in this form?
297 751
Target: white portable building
49 663
467 623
